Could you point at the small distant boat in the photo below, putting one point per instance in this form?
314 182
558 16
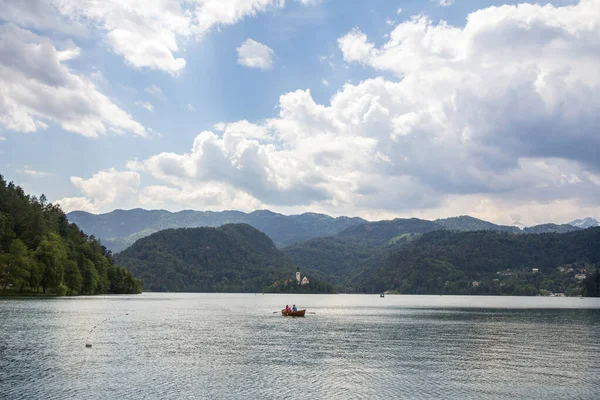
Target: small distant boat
299 313
381 294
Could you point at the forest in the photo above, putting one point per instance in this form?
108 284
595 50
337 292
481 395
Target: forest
42 253
389 257
231 258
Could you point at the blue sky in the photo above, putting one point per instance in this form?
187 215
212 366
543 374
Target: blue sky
454 116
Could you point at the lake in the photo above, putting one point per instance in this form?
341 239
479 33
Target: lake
209 346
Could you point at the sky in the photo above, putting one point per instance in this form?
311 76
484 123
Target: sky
371 108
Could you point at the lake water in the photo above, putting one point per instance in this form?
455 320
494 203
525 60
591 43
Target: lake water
210 346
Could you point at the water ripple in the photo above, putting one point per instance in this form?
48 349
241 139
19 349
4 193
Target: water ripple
235 346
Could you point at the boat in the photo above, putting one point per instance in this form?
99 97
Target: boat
381 294
299 313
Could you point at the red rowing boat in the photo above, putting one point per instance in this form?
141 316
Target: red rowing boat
299 313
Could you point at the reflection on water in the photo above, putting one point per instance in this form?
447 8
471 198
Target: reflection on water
189 346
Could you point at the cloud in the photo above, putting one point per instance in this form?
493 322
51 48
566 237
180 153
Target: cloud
2 138
446 3
495 118
33 173
190 107
145 104
33 71
355 47
325 82
253 54
103 191
154 90
147 35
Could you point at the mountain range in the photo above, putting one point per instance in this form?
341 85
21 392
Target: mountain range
585 223
119 229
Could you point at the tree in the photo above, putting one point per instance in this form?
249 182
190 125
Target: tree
51 255
73 278
591 285
90 277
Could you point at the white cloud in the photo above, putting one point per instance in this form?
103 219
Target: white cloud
355 47
104 191
2 138
190 107
154 90
33 173
37 87
325 82
476 123
145 104
399 11
253 54
446 3
147 34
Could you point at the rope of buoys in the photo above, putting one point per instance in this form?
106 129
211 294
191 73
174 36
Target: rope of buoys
88 341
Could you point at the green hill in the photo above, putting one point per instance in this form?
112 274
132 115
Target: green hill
444 262
41 251
465 223
231 258
388 232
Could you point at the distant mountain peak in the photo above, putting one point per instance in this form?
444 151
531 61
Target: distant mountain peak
585 223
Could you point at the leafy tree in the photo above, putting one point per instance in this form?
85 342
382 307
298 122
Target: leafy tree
13 266
73 278
51 255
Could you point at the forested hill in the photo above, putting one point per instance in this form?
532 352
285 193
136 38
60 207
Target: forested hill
41 252
121 228
353 249
445 262
466 223
231 258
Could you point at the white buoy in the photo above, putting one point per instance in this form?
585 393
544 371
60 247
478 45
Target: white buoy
88 343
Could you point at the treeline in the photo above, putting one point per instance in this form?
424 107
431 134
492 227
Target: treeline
41 252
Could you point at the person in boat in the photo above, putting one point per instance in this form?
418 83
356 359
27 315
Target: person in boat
294 309
287 308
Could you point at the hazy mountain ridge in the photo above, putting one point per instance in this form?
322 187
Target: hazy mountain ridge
121 228
585 223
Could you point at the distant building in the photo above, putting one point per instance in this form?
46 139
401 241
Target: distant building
475 283
580 277
535 270
305 281
561 269
298 276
